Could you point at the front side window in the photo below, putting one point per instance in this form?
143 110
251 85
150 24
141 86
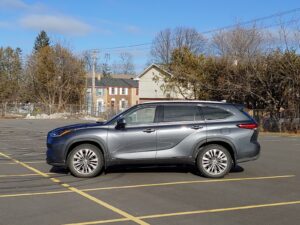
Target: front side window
177 113
214 113
141 116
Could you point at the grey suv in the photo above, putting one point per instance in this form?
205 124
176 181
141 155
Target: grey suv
213 136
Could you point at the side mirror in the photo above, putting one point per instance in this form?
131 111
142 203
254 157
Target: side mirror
121 123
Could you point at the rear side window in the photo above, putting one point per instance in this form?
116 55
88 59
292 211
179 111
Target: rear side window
213 113
177 113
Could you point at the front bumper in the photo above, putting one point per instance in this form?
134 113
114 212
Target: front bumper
55 152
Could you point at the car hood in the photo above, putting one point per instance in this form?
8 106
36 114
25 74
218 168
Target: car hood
78 126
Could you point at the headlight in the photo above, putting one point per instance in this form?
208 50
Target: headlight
59 133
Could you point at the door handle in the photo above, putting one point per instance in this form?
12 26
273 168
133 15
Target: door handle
148 130
197 127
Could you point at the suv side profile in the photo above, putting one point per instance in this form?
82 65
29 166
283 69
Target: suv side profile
213 136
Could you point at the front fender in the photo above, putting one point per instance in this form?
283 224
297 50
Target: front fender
89 137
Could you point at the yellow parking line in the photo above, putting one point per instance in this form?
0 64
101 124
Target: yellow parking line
86 195
99 222
31 162
188 182
34 193
147 185
21 175
193 212
220 210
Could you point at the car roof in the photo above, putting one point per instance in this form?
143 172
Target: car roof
186 102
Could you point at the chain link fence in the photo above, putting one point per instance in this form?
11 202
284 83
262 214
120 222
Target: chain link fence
285 121
43 111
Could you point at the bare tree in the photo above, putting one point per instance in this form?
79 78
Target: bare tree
239 43
167 40
124 65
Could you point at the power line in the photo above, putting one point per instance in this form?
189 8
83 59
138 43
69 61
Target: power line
259 19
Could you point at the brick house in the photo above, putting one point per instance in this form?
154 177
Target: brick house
114 94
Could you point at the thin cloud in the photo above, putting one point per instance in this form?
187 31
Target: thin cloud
56 24
20 5
4 24
132 29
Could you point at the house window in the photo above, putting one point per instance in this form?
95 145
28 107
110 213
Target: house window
123 91
112 104
113 91
100 106
99 91
123 104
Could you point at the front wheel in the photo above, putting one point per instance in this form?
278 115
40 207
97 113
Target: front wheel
85 160
214 161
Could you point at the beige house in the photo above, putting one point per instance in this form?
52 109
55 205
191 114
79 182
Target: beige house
151 83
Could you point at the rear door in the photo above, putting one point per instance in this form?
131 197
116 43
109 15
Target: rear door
180 127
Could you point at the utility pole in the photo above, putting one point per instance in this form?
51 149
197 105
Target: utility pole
94 54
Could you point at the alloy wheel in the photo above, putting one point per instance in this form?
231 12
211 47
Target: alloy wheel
214 161
85 161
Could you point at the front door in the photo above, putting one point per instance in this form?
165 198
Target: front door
137 141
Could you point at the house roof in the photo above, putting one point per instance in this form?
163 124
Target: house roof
153 65
123 76
114 82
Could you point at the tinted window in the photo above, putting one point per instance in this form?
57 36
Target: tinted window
213 113
141 116
175 113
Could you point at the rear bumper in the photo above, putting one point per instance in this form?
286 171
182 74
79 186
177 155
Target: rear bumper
251 154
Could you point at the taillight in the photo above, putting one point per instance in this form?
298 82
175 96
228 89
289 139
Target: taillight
248 125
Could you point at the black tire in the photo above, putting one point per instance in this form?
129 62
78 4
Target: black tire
213 167
83 167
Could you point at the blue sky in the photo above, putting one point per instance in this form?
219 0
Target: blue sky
103 24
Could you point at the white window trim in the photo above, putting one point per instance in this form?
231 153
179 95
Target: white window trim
120 103
115 89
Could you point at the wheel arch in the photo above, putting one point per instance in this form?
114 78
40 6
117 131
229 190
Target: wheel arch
94 142
223 142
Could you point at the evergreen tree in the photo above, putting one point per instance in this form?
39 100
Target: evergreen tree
41 41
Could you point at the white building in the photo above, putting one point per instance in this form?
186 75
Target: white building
151 85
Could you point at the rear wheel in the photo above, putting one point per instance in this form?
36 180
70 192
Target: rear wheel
214 161
85 160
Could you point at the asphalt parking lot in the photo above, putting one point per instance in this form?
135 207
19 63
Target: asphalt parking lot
266 191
